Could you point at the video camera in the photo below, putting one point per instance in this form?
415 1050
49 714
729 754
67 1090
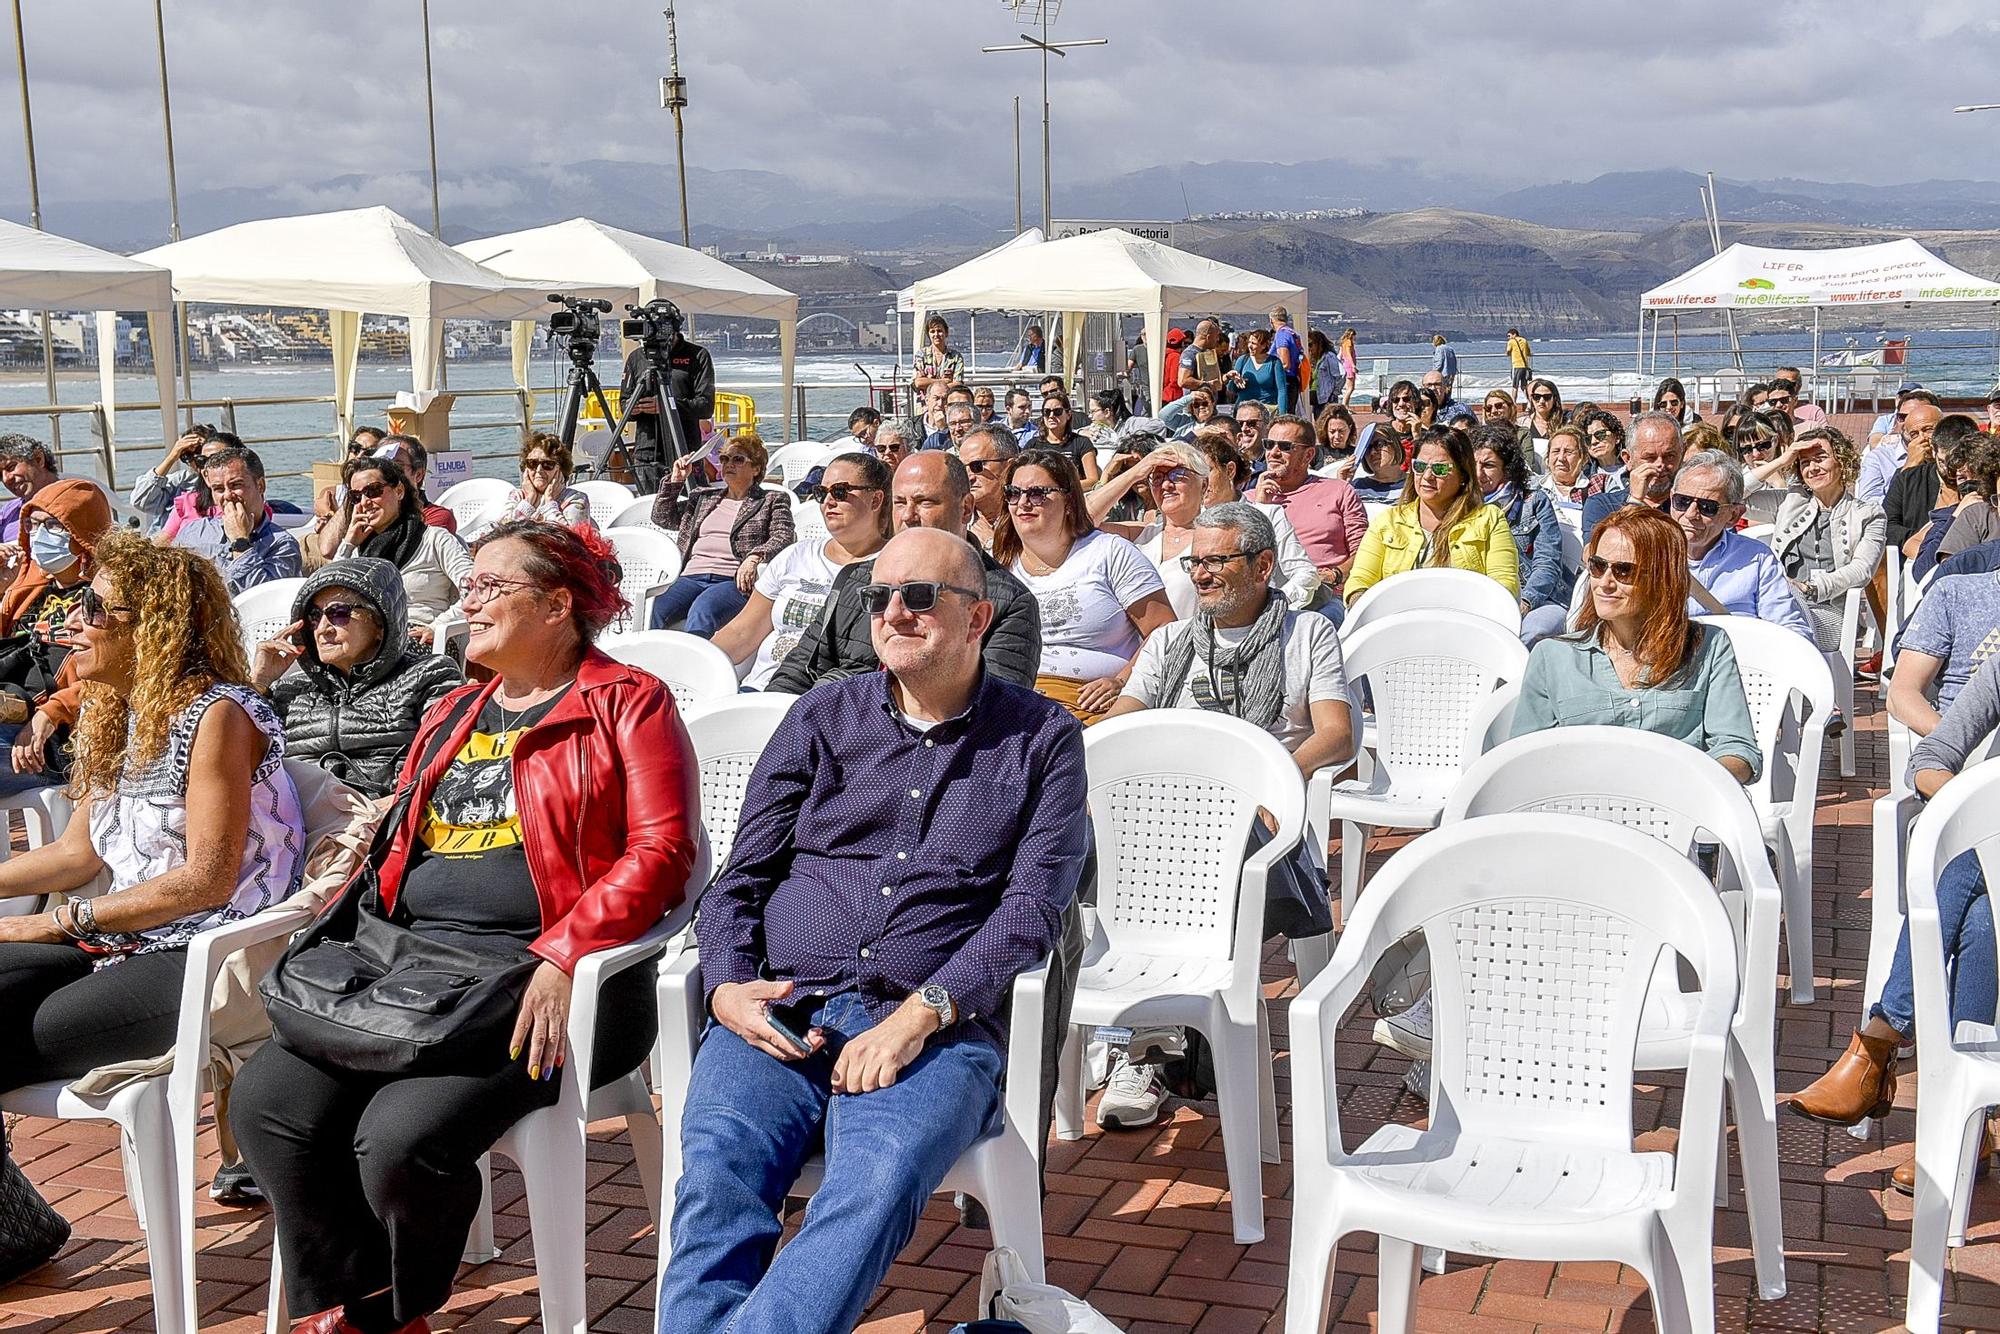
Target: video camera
656 325
579 322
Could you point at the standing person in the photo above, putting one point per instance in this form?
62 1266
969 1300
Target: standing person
183 804
726 534
1170 364
1531 518
1203 364
1326 512
246 546
1441 521
1259 377
1329 384
1288 352
904 1044
1350 367
1444 360
937 361
385 522
549 812
691 374
1099 595
544 493
1521 363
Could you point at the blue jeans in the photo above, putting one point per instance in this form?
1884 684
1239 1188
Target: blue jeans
751 1120
1549 619
12 783
708 601
1965 916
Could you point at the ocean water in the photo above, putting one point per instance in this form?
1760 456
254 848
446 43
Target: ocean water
1955 362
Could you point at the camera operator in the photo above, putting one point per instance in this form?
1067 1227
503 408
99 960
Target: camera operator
693 388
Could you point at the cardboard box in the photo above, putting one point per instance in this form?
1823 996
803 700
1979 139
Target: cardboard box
430 423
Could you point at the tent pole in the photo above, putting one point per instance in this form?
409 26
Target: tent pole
1811 386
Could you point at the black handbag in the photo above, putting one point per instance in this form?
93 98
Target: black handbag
360 991
32 1233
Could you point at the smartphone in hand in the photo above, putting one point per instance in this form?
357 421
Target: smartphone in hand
787 1035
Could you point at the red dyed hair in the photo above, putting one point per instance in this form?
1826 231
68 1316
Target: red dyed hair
583 564
1659 548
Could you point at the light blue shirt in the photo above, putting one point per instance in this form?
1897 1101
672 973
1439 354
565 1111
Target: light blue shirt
272 553
1746 578
1573 684
1879 467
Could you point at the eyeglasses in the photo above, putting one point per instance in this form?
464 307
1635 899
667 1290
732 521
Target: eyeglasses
1601 434
484 588
736 460
1778 399
1033 497
1403 398
373 491
1249 424
1683 502
1212 564
335 614
841 493
1418 468
1178 476
1543 398
1624 571
978 467
1496 407
1759 446
47 523
540 465
1273 445
1055 412
95 610
359 446
919 595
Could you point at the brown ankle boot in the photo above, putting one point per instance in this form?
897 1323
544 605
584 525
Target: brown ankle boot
1904 1178
1862 1083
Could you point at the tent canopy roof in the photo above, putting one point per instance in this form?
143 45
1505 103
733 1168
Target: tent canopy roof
371 260
48 272
906 300
1108 271
606 261
1758 277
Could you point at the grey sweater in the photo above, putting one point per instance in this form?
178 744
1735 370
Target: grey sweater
1971 719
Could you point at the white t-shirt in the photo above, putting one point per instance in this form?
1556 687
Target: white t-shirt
1313 671
798 581
1085 631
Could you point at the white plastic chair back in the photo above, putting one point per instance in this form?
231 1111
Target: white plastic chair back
266 609
648 559
783 457
1173 793
729 737
607 499
695 670
1430 673
469 500
808 523
638 514
1778 665
1468 591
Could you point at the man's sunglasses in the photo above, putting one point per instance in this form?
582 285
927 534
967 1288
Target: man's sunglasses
978 467
843 492
95 610
1404 398
337 614
919 595
1684 502
1624 571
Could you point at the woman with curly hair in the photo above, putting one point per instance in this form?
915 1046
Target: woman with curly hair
1828 539
182 800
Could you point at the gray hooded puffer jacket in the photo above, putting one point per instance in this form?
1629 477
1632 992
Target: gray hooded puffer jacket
359 726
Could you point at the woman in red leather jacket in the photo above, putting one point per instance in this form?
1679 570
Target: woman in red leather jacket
553 812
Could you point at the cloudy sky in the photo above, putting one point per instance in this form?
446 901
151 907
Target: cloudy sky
893 96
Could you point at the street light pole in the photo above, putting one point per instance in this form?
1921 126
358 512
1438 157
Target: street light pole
673 96
173 207
1047 48
35 218
1017 166
430 112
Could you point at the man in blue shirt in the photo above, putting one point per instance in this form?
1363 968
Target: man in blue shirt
240 538
879 903
1739 572
1449 410
1286 347
1444 360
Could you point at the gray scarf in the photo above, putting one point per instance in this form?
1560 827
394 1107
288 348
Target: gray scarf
1246 679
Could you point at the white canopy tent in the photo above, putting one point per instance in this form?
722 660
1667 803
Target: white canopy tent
1747 277
1109 272
360 261
585 256
906 299
45 272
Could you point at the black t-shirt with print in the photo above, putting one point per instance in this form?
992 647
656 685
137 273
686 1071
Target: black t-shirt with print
468 877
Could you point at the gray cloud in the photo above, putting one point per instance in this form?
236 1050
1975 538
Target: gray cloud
892 98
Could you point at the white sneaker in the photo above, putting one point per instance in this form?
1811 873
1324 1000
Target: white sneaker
1096 1064
1132 1096
1156 1046
1408 1032
1417 1079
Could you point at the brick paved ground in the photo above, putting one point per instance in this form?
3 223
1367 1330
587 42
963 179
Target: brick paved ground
1139 1222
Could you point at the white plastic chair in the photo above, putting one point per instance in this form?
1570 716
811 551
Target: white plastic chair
808 523
1544 932
608 499
1840 665
1435 590
798 452
695 670
265 609
469 500
729 737
1674 792
1958 1067
1002 1171
548 1144
1791 695
45 812
649 560
1180 913
638 514
1431 673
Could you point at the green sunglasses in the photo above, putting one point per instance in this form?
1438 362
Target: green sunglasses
1434 469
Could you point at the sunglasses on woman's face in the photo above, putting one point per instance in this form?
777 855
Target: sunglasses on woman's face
373 491
1543 398
1055 412
1684 502
1419 468
539 465
1030 497
1624 571
95 610
840 492
337 614
735 460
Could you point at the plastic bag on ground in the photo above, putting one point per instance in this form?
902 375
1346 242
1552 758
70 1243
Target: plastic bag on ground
1006 1293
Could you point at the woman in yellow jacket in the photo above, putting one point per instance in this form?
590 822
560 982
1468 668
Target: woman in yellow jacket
1442 520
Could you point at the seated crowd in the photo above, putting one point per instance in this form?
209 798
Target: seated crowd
976 585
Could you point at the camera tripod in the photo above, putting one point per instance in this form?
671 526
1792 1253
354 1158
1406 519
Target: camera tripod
653 383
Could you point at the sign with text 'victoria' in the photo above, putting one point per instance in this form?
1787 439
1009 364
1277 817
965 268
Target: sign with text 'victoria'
1166 233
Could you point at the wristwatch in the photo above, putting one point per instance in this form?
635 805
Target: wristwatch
939 1001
